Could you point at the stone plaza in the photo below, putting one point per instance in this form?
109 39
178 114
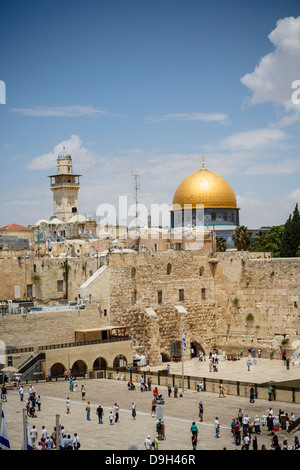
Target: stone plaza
178 413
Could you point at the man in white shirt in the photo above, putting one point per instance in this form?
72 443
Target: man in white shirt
44 432
76 442
148 443
34 435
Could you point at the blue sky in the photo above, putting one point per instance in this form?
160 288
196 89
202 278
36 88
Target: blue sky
148 87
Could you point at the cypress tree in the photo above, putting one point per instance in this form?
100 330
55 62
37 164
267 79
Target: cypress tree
291 235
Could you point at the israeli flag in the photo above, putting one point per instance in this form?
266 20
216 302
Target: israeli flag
29 441
4 442
60 439
183 339
49 245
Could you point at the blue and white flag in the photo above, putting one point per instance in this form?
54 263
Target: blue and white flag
49 245
183 339
29 441
4 442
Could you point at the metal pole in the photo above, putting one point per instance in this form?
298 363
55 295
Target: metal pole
57 428
25 429
182 356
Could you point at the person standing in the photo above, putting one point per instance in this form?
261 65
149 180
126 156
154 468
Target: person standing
169 390
34 435
21 392
38 402
76 442
88 411
270 392
82 392
100 414
68 405
116 412
237 434
133 411
201 410
153 409
148 443
217 427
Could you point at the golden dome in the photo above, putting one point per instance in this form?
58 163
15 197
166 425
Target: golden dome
207 188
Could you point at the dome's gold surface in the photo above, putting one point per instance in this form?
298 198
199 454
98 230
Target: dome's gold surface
207 188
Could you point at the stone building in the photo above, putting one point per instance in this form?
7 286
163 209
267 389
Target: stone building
231 301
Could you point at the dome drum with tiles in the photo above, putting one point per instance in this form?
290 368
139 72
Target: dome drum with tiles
205 198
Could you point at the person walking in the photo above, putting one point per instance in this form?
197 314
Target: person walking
100 414
82 392
221 392
194 441
153 409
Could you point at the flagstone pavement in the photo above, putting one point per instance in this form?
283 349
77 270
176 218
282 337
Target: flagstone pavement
179 413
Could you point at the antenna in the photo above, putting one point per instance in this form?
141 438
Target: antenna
137 187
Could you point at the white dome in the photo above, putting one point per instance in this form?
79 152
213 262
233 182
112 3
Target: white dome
55 221
78 218
42 221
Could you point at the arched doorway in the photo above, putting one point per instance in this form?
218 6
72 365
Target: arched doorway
119 362
100 364
195 349
79 368
57 370
165 357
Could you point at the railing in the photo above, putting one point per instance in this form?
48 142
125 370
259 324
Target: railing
84 343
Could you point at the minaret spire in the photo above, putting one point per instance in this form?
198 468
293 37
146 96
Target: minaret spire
202 162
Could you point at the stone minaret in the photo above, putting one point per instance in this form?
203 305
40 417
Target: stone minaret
65 188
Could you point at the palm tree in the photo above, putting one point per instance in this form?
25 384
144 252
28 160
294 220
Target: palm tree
242 238
221 244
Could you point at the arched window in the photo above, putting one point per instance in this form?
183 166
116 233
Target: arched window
133 273
169 268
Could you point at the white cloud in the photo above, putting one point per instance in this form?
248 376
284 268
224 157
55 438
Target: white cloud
81 156
205 117
253 140
284 167
62 111
272 78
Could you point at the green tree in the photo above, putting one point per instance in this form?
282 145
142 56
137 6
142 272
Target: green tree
221 244
242 238
291 235
269 241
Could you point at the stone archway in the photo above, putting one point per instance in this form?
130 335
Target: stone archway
119 362
57 370
196 348
165 357
100 364
79 368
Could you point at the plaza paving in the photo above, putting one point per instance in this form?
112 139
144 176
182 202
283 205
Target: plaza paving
178 413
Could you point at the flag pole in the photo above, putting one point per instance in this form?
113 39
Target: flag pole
25 429
57 429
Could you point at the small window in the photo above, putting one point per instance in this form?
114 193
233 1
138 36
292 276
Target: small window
181 294
159 297
155 247
105 312
133 273
29 290
133 297
201 271
60 286
169 268
203 295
